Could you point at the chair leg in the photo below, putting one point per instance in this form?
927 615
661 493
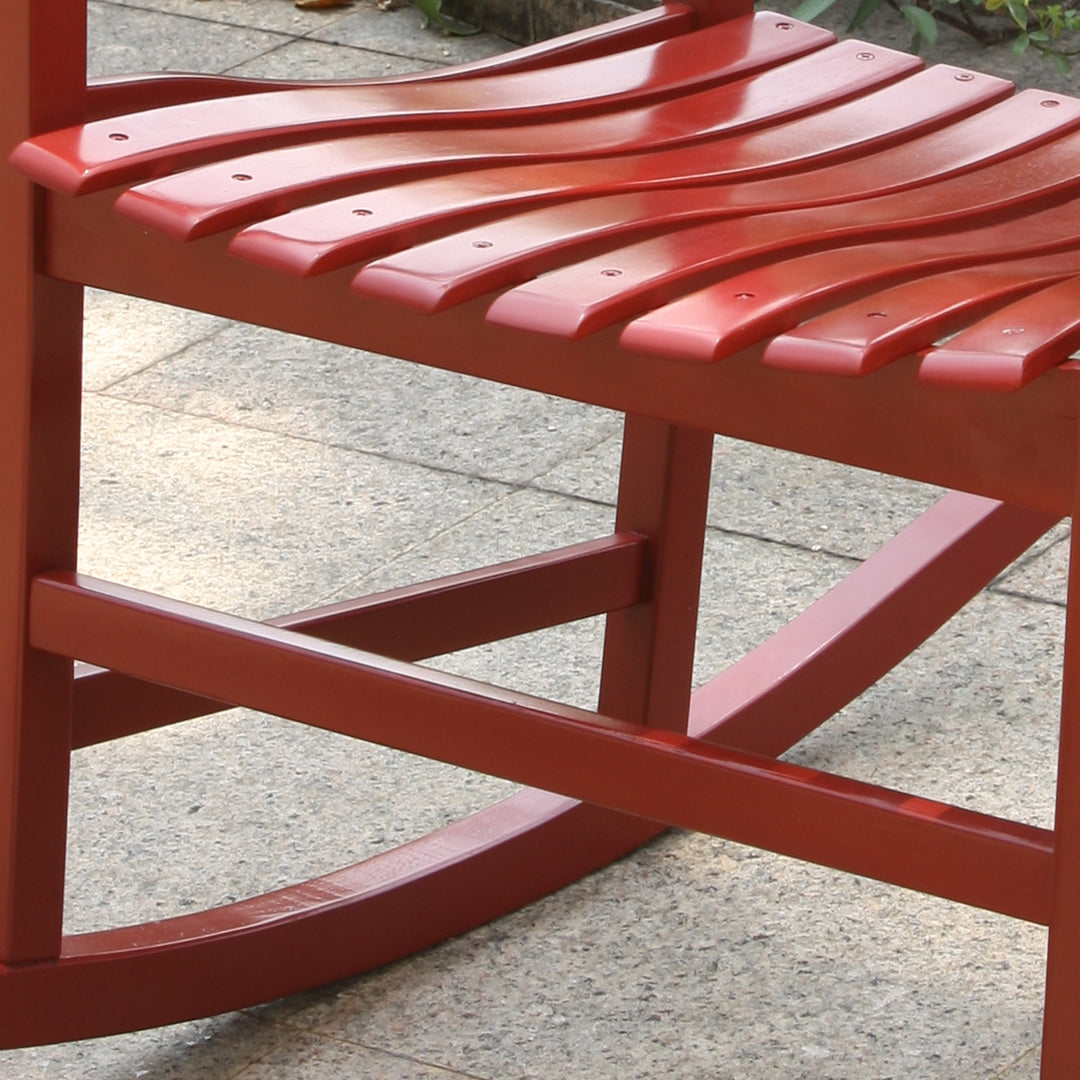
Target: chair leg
1061 1030
39 472
42 79
649 649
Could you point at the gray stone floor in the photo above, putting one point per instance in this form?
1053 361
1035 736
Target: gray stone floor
261 473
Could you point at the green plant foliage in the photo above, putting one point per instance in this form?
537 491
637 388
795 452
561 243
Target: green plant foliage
924 23
1028 24
433 12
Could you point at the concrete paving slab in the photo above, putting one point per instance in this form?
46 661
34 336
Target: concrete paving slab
123 335
318 1057
970 718
281 16
231 806
279 382
400 31
1043 574
251 521
304 59
1027 1068
219 1048
129 39
768 493
662 966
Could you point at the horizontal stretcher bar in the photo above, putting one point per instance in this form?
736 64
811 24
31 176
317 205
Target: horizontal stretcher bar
410 623
648 772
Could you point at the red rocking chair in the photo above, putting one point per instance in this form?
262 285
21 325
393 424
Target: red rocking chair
709 220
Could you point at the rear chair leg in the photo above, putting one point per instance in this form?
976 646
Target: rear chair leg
42 78
649 649
39 476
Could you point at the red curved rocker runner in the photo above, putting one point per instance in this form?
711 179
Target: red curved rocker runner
711 220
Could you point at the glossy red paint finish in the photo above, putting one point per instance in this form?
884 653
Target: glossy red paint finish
39 435
700 217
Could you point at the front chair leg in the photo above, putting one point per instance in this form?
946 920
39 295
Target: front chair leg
1061 1023
39 476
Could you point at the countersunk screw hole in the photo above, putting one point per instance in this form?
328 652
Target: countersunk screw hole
785 26
744 296
241 176
864 56
1013 330
964 76
875 314
118 136
363 212
611 272
1049 103
481 243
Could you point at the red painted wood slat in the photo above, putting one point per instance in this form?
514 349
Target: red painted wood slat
582 291
945 218
199 201
1005 350
113 95
118 150
877 329
721 319
394 215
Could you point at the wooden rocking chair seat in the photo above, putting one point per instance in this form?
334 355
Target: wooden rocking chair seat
709 219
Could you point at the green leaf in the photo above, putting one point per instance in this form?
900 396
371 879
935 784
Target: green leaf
809 10
1018 11
1062 63
863 12
1020 44
923 22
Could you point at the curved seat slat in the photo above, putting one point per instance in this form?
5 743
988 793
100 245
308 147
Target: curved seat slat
118 150
332 234
858 338
589 282
113 95
745 309
197 202
1007 349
